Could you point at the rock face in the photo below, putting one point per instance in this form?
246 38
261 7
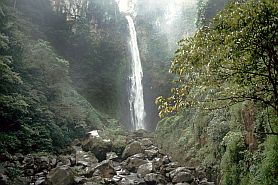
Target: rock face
141 163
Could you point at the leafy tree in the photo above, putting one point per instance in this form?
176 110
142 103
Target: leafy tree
232 60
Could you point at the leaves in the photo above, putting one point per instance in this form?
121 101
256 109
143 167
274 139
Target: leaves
232 60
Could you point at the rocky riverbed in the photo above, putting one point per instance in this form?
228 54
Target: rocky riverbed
96 160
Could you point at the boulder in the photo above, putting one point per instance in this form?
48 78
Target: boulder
62 175
106 169
97 145
182 177
132 149
28 161
145 169
157 163
173 173
146 142
151 154
132 163
153 178
84 158
111 156
63 161
40 181
42 163
4 179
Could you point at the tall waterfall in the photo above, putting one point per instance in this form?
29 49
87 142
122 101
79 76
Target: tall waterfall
136 99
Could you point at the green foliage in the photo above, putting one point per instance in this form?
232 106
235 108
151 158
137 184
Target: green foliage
230 61
39 108
270 162
230 162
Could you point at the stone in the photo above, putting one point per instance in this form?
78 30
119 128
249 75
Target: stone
205 182
157 163
62 175
84 158
21 181
166 159
111 156
146 142
19 157
178 170
151 154
99 146
132 149
40 181
106 169
145 169
153 178
182 177
42 163
4 179
28 161
133 163
29 172
63 161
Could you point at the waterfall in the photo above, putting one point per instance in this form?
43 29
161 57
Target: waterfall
136 98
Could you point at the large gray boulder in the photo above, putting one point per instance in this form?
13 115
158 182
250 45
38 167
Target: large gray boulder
62 175
84 158
145 169
182 177
106 169
132 149
99 146
153 178
132 163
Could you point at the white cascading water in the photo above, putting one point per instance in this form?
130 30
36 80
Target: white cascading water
136 97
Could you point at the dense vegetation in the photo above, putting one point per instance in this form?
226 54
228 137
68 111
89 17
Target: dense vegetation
64 68
43 49
225 95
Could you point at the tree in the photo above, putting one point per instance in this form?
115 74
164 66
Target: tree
233 60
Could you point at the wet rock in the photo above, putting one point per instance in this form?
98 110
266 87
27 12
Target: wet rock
151 154
166 159
29 172
205 182
21 181
63 161
132 149
4 179
153 178
19 157
145 169
62 175
111 156
133 163
84 158
178 170
28 161
40 181
157 163
146 142
171 166
42 163
106 169
182 177
97 145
